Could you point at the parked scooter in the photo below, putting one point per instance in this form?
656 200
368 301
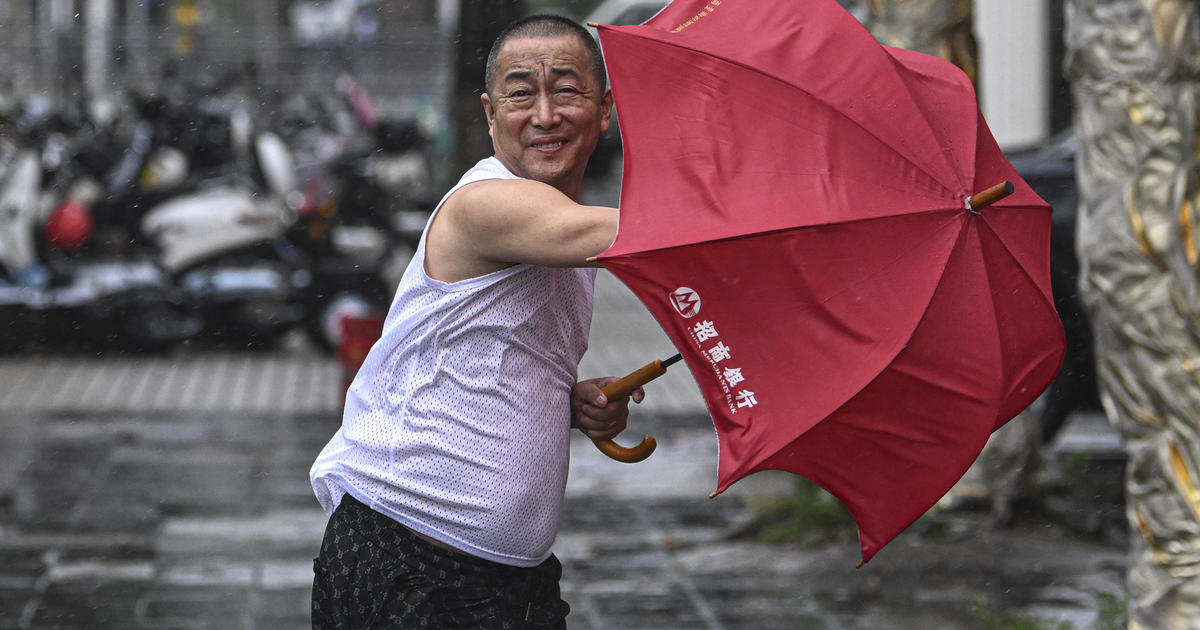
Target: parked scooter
219 232
200 228
23 294
365 185
50 295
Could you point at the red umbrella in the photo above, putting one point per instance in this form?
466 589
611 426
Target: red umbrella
797 214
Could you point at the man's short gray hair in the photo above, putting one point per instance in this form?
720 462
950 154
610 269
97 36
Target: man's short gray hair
545 25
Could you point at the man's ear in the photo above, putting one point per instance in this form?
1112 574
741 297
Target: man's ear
606 108
489 111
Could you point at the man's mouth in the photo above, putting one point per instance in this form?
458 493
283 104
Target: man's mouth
548 144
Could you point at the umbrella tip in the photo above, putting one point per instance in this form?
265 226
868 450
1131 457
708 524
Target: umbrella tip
713 495
980 200
591 259
593 24
860 564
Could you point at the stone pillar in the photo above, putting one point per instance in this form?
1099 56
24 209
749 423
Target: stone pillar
1135 67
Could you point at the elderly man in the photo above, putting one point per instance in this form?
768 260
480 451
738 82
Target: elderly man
446 480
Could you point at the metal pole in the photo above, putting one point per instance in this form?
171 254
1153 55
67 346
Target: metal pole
47 50
22 61
14 49
6 43
137 44
54 18
97 48
267 42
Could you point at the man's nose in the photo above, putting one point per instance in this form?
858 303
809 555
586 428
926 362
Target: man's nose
545 111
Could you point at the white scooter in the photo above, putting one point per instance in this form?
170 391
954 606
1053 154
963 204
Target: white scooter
221 241
66 303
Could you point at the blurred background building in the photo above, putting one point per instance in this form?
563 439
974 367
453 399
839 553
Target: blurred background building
403 51
1012 49
67 47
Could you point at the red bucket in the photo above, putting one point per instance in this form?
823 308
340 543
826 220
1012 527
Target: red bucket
359 333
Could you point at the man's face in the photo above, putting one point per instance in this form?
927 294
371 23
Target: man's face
546 111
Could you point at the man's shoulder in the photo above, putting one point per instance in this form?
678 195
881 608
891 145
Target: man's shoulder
487 168
483 174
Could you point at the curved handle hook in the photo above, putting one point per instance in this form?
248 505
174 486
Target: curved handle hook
628 454
623 387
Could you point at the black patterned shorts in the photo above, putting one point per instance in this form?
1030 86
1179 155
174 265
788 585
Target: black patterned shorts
374 573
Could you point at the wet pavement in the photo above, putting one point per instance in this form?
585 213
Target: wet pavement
172 493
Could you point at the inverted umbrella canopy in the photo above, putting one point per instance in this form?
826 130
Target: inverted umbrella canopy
794 214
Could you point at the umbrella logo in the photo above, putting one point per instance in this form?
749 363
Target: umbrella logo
686 301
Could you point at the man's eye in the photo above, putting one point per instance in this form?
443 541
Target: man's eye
518 94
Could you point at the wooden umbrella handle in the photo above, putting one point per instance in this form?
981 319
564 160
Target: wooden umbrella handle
624 387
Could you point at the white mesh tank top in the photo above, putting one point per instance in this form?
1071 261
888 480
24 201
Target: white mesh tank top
458 423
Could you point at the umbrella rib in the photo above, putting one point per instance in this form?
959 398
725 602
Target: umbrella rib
913 98
734 237
827 105
1046 302
754 463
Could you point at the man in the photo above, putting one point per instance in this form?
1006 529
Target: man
446 479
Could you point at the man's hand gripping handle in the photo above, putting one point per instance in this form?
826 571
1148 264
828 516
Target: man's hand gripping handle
624 387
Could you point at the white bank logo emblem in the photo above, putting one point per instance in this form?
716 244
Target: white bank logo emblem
686 301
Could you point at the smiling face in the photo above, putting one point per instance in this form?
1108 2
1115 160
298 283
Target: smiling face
546 109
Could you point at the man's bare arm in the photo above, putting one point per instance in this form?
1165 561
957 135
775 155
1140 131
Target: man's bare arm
493 224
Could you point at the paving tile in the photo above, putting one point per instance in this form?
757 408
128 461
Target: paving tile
88 606
183 503
183 606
